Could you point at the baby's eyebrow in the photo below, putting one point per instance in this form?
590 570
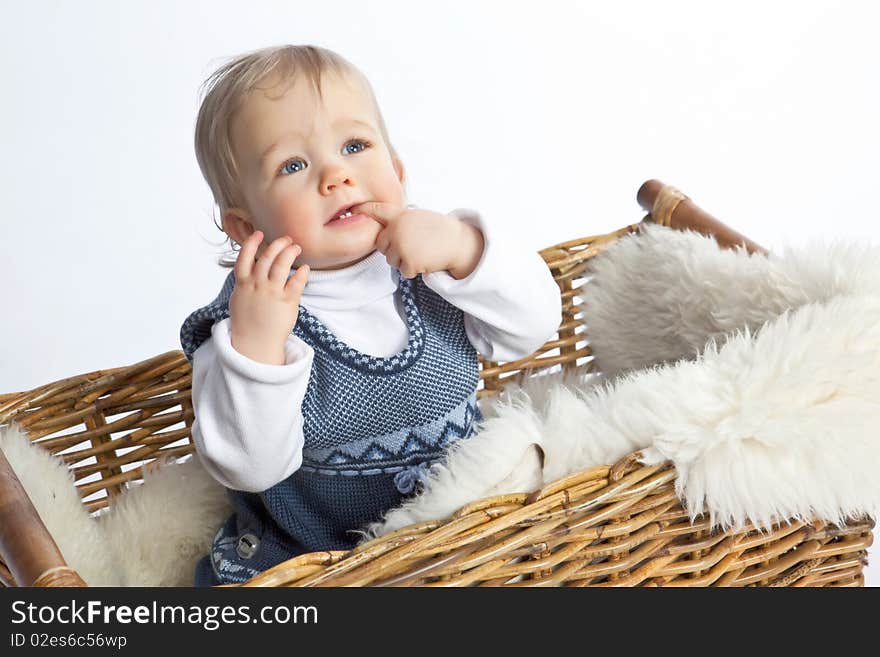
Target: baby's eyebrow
352 121
294 133
274 147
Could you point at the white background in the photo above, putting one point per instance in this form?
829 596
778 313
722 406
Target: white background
545 119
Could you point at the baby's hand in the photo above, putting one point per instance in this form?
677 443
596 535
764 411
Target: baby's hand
264 304
416 241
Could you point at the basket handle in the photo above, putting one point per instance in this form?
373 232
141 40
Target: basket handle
26 546
669 207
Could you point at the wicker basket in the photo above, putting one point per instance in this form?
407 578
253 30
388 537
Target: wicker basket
615 525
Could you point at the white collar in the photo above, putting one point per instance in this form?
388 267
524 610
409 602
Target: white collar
350 287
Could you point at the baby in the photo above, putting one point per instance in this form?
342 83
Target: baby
339 359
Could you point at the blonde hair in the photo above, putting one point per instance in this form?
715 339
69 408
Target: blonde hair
226 89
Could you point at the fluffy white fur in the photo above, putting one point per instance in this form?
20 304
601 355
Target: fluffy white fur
662 295
774 420
153 533
50 486
162 527
756 376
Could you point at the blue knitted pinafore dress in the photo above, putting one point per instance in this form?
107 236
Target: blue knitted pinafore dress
372 426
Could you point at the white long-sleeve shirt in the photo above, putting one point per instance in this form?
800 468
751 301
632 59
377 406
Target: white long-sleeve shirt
248 420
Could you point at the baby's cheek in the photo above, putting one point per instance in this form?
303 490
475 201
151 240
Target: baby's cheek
305 236
399 196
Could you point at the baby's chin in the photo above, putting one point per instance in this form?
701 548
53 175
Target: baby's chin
343 262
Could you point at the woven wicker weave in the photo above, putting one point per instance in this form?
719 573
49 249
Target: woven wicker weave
615 525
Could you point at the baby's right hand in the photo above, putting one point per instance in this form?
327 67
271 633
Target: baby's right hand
264 304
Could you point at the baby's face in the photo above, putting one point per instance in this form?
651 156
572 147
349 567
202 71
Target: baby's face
301 161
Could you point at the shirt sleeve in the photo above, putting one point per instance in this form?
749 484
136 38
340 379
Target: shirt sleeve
248 415
511 303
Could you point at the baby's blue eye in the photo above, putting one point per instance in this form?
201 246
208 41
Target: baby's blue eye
365 144
284 168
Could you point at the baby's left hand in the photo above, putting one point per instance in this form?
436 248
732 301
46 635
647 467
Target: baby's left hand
417 241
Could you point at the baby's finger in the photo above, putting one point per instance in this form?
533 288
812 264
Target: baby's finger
383 241
384 213
283 262
296 284
264 262
393 259
244 264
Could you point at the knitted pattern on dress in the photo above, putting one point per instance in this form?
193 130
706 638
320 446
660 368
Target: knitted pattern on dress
372 426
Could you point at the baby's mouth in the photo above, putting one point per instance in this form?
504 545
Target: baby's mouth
347 212
342 215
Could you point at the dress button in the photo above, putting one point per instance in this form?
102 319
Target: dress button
247 546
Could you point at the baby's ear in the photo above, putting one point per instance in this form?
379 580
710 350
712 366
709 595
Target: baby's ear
400 170
236 223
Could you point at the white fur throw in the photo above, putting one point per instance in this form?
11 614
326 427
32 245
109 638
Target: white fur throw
756 376
152 534
774 418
